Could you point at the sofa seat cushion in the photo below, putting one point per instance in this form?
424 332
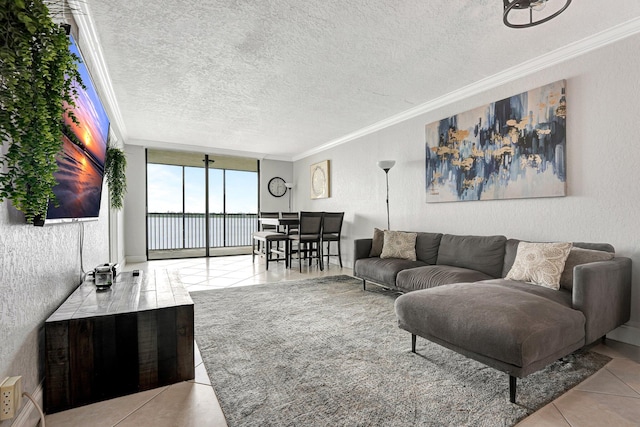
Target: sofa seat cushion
436 275
495 320
383 271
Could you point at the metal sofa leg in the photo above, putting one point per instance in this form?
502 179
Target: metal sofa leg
364 285
413 343
512 389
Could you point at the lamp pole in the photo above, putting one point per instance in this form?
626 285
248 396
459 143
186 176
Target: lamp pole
289 186
386 165
386 173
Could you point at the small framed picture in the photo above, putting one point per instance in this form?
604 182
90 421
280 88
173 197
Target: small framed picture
320 180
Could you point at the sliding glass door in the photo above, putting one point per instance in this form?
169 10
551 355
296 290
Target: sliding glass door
200 205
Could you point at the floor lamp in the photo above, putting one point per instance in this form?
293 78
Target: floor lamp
289 186
386 165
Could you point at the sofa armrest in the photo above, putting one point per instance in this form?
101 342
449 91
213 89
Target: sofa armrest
361 249
602 291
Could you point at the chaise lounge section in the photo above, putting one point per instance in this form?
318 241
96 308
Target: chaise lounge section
456 294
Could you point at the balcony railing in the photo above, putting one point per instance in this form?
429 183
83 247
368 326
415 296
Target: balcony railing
188 231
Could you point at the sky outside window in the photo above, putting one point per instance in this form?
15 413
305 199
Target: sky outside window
242 191
164 190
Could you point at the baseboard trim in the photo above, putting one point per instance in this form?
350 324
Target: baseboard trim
628 333
135 259
29 412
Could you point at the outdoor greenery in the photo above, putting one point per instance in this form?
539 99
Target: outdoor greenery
114 170
38 81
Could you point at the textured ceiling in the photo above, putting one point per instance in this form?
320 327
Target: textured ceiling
283 77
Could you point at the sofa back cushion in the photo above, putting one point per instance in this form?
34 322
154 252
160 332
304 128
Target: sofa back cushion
511 249
427 245
481 253
510 252
377 242
579 256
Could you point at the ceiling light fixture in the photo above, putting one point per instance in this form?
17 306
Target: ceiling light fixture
518 8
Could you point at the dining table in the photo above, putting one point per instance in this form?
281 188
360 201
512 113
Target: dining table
280 223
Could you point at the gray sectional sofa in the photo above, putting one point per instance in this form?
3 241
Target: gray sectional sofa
455 294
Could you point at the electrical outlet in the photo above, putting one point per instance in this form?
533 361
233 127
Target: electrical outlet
10 397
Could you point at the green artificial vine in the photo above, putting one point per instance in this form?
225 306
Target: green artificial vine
38 76
114 169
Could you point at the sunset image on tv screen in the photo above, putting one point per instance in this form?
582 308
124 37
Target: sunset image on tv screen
81 161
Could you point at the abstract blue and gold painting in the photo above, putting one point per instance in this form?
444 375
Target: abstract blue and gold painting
513 148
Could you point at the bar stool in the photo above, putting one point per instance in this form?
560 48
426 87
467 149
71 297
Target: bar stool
331 231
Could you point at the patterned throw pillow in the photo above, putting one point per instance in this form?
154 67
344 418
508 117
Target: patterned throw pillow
579 256
398 244
377 242
540 263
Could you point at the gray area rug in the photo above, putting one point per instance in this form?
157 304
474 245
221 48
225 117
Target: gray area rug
322 352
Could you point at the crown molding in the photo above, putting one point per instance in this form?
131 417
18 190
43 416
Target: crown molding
165 145
524 69
93 51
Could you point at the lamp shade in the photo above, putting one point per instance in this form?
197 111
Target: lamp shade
386 164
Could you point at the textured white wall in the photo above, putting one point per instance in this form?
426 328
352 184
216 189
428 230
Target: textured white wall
268 170
39 268
116 236
135 205
603 99
116 220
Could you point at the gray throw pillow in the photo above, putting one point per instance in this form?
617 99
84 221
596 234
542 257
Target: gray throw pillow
398 244
579 256
377 242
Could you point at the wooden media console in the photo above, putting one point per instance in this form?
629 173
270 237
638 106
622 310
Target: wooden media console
134 336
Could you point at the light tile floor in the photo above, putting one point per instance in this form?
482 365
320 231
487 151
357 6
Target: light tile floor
610 397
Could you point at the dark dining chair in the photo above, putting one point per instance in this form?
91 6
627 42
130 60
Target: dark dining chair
331 232
269 227
308 241
292 229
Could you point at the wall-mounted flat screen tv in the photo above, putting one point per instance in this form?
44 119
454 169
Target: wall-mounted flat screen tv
81 160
